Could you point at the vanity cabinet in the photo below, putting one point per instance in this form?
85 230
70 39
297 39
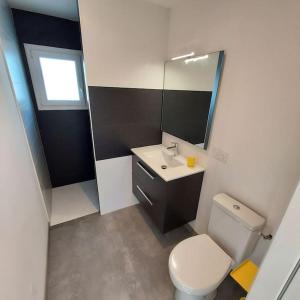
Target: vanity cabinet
169 204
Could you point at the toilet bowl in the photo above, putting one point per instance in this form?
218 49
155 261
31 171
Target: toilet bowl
199 264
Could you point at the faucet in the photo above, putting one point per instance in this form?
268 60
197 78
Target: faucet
175 147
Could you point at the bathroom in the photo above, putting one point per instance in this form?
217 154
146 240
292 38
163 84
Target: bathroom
80 215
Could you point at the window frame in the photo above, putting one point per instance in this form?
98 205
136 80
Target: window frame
33 54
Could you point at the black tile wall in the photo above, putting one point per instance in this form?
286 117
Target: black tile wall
124 118
39 29
65 134
68 145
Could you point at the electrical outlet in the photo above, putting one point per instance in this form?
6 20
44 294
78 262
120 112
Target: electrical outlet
220 155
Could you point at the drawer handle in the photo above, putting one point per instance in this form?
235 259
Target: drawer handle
144 169
145 196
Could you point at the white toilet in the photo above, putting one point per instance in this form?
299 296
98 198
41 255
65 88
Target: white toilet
199 264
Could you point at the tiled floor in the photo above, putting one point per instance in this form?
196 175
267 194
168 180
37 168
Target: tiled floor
118 256
73 201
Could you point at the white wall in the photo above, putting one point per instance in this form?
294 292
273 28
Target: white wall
115 183
12 55
124 42
281 258
257 120
124 45
23 220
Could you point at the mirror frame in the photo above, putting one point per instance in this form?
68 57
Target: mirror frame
214 97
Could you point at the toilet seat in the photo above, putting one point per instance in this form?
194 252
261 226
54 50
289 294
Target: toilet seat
198 265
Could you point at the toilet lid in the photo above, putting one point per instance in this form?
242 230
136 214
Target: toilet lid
198 265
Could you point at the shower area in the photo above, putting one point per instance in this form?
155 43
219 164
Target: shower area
55 112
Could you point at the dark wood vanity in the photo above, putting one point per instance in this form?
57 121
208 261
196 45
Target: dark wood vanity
169 204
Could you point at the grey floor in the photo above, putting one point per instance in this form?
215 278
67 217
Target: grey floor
118 256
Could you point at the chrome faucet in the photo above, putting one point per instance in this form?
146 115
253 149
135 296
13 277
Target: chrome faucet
175 147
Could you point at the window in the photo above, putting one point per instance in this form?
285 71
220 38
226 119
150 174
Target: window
57 77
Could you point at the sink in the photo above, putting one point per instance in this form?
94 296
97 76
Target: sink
163 162
164 158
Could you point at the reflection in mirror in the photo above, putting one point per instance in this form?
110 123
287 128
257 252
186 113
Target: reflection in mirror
189 96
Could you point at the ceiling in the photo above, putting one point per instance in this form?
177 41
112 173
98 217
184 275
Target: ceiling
66 9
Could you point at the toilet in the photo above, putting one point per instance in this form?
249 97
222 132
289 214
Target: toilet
199 264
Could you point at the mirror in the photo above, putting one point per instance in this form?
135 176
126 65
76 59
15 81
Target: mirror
189 96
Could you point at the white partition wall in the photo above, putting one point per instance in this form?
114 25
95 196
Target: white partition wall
12 55
124 45
23 219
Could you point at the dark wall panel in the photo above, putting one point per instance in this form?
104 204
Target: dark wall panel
38 29
65 133
124 118
185 114
68 138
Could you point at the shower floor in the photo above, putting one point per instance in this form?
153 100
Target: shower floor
74 201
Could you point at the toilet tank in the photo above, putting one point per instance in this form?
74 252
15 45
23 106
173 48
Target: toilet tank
234 227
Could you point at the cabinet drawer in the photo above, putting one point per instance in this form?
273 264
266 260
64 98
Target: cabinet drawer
155 207
148 180
142 171
143 198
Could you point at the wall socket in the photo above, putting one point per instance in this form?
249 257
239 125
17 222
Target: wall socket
220 155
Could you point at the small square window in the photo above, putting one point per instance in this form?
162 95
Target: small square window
57 77
60 79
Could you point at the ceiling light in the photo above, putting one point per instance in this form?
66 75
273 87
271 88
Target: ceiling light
183 56
195 58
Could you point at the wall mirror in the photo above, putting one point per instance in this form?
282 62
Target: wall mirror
189 96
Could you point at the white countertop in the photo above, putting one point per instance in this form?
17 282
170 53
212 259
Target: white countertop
170 173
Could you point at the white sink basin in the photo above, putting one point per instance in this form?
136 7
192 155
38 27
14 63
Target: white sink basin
164 158
164 163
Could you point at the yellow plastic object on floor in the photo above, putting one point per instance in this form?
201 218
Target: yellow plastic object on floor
245 274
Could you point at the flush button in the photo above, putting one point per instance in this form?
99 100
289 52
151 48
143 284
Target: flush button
235 206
